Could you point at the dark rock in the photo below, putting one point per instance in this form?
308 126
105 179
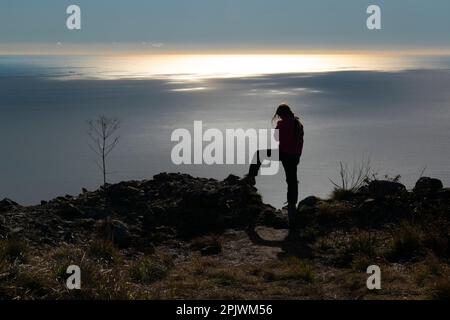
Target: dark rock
385 188
69 237
174 206
69 211
115 231
274 219
232 179
7 204
309 201
369 206
209 245
124 193
444 194
307 214
16 230
426 185
211 250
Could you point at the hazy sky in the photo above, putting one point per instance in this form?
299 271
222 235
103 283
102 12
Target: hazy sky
235 24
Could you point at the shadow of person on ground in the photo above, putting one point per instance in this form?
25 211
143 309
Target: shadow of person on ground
299 247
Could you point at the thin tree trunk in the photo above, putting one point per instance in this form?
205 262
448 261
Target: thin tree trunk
103 159
104 170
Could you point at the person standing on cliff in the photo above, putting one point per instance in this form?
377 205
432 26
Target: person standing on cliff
290 137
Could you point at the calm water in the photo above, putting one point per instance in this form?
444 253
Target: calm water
395 111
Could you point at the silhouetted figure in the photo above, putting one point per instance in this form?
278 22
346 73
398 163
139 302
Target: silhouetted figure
290 137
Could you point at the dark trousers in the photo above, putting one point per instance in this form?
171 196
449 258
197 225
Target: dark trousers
290 163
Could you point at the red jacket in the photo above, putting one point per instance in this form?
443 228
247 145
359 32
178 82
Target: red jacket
290 143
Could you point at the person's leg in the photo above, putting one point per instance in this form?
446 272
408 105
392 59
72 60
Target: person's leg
290 164
256 162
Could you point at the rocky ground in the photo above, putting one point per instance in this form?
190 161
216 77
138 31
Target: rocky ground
176 236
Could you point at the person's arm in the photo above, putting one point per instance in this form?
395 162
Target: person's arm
277 131
302 136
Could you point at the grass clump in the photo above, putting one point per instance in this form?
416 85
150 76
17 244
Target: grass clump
442 290
351 179
148 270
363 244
33 284
104 251
332 213
291 268
13 250
406 243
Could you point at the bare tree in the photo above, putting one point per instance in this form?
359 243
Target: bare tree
102 133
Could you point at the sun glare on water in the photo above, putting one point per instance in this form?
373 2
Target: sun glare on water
192 67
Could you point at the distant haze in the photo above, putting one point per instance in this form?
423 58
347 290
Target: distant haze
222 25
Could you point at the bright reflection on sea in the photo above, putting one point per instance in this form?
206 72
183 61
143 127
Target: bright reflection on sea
202 66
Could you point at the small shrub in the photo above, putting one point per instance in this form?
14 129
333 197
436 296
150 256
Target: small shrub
332 213
429 270
437 237
13 250
148 270
363 244
340 194
361 262
325 244
104 250
359 251
351 179
291 268
32 284
406 243
224 277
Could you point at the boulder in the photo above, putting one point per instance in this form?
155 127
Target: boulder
7 204
426 185
274 219
309 201
385 188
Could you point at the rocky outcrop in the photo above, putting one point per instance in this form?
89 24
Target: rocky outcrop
378 203
6 204
133 213
169 206
427 185
385 188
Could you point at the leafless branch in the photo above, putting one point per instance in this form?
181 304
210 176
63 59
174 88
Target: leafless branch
101 132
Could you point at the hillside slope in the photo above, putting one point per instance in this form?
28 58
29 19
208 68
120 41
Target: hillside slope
176 236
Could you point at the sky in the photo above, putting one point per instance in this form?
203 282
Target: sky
234 25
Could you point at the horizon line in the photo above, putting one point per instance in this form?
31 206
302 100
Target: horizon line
147 48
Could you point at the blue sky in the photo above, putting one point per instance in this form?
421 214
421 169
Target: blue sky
242 24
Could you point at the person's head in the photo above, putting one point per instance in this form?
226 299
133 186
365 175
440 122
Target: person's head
283 112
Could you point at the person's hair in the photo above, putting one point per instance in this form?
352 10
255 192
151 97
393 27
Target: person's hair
285 111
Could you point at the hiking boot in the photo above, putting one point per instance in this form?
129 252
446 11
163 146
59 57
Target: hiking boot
293 218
